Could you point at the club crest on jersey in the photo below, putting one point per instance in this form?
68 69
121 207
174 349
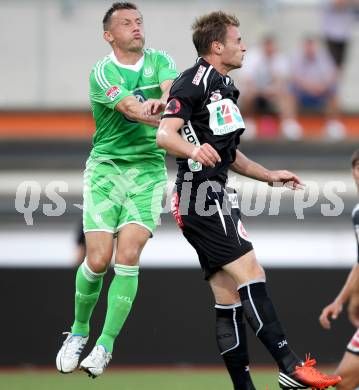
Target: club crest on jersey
225 117
188 134
173 106
198 76
113 92
215 96
148 72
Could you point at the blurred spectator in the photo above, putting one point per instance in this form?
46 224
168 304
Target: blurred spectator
338 18
263 82
314 86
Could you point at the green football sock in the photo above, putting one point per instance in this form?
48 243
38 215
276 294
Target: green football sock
88 288
121 294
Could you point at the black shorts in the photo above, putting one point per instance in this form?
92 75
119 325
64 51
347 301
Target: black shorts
210 220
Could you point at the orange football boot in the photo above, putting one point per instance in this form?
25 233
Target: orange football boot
306 376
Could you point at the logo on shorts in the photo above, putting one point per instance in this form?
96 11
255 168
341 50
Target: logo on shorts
113 92
198 76
175 209
173 106
233 198
98 218
242 231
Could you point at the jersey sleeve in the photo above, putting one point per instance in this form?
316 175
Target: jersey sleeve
166 67
185 95
105 87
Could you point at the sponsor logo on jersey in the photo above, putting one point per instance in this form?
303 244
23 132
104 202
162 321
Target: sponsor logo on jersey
173 106
113 92
198 76
215 96
242 231
194 166
148 72
190 136
225 117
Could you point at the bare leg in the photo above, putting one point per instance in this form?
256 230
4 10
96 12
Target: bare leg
348 369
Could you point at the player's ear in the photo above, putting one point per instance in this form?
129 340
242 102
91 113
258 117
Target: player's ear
107 36
217 47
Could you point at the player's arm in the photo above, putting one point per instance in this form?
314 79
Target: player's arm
156 106
105 90
133 109
353 308
249 168
333 310
169 139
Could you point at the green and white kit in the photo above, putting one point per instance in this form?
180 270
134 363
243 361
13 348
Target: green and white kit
125 175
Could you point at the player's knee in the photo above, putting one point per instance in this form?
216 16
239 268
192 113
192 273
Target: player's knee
128 256
256 272
99 261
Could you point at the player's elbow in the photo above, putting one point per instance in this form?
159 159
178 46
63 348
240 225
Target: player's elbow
161 137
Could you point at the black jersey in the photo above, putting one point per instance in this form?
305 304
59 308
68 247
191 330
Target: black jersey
355 217
207 101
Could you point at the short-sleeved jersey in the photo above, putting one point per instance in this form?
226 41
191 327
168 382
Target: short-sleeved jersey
116 136
355 218
207 101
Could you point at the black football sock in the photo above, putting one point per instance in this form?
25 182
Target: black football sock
260 314
232 344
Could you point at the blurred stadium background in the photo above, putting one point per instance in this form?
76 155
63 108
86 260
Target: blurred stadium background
48 48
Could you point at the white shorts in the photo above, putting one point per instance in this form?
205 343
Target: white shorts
353 345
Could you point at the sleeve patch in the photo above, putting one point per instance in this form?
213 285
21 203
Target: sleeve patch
173 107
113 92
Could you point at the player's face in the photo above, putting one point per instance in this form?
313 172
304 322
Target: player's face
356 173
233 49
126 30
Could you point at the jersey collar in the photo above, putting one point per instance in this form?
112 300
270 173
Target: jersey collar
136 67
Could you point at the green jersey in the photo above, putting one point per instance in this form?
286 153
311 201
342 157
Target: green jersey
116 136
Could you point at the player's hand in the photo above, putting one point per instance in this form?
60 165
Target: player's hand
206 155
153 107
286 178
353 309
331 311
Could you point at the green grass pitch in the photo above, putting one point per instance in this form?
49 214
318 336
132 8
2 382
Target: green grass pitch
133 379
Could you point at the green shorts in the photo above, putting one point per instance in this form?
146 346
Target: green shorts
117 193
